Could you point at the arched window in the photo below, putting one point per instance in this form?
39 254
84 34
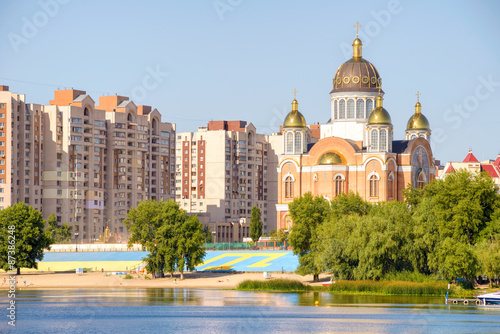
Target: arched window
335 110
289 142
288 187
342 109
154 125
373 186
339 185
360 108
390 186
413 136
350 109
383 139
421 180
250 139
298 142
129 118
374 144
86 112
369 107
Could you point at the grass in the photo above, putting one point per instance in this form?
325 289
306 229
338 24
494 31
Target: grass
280 284
128 276
390 288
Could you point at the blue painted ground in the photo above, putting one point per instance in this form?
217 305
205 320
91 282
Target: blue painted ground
214 260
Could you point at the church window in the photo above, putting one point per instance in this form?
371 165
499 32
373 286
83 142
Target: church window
335 111
289 142
374 144
342 109
390 186
360 108
350 109
421 180
298 143
369 107
288 187
339 185
383 139
373 186
413 136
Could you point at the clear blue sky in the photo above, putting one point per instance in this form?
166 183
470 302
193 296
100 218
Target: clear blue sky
241 59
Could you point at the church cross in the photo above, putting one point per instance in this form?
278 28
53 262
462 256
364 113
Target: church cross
357 25
418 96
295 94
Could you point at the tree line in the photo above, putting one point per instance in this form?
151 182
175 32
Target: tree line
449 229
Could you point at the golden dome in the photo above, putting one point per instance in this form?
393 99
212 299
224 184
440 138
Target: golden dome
418 121
294 119
356 74
379 115
330 158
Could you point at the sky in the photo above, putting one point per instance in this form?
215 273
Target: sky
203 60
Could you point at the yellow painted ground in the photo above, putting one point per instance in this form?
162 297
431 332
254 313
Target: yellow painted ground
72 265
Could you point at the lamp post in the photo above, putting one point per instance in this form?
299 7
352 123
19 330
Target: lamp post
76 241
213 237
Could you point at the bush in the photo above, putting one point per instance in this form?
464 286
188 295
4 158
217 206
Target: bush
409 276
280 284
391 288
128 276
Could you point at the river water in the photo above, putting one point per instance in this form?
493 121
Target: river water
228 311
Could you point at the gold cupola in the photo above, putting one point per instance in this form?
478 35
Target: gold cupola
418 121
294 119
330 158
379 115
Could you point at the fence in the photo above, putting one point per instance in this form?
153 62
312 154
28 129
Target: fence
244 246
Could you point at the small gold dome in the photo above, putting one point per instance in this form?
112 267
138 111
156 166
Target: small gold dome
330 158
357 41
418 121
379 115
294 119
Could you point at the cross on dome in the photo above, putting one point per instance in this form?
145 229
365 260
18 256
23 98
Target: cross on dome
357 26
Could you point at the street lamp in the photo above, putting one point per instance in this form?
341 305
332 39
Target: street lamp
76 241
213 237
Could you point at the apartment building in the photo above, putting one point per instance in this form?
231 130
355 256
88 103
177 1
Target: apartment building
222 171
87 164
20 150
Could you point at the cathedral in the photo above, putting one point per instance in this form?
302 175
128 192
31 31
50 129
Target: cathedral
355 151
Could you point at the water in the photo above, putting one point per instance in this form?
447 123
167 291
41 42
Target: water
227 311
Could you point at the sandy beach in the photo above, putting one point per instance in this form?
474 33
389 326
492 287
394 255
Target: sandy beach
225 280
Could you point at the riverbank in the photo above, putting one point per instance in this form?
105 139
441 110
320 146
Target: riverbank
200 279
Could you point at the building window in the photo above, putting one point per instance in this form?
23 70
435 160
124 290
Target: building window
335 110
350 109
360 108
298 142
342 109
383 140
373 186
390 186
339 185
289 142
369 107
374 145
288 187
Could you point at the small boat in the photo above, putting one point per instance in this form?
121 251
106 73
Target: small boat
490 298
329 283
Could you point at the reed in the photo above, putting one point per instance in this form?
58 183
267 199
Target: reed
390 287
280 284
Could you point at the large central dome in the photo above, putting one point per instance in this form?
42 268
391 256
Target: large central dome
356 74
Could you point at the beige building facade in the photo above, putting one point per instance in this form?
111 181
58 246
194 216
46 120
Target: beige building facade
222 171
87 164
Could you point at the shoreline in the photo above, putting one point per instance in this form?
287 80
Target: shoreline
198 279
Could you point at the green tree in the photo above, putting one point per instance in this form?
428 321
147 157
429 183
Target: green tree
308 213
22 226
207 234
255 225
58 234
172 238
488 254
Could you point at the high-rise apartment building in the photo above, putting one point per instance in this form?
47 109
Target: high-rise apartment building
223 170
87 164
